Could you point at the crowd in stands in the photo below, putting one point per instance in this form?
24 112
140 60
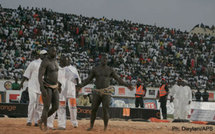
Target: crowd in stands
135 51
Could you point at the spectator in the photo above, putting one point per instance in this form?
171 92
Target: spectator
15 85
25 96
205 95
131 46
198 95
84 100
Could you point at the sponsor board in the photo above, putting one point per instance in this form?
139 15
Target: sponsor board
202 115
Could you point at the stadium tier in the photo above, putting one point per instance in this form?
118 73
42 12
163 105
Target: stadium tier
136 51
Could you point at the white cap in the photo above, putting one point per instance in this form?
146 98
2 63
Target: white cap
85 93
43 52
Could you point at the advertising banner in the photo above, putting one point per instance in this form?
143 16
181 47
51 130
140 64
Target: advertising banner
20 110
150 104
202 115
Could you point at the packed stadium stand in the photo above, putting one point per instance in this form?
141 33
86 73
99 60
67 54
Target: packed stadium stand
136 51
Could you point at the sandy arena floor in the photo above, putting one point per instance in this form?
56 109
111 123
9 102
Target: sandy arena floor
17 126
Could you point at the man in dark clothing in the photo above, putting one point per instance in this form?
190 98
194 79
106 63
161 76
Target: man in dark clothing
103 74
162 95
205 95
24 96
140 93
198 95
15 85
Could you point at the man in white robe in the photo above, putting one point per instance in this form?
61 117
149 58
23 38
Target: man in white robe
31 74
181 95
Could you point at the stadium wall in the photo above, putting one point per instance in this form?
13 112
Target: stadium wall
121 92
20 110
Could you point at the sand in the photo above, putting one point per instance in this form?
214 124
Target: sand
18 126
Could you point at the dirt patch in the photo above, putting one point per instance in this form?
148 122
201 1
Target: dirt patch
18 126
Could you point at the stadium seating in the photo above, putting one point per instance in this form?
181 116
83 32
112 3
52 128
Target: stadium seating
135 50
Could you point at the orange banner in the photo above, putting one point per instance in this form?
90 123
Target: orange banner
126 111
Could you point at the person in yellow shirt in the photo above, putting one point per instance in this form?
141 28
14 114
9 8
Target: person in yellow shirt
84 100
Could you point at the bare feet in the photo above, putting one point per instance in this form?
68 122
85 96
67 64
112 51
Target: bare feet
42 127
40 124
45 128
105 128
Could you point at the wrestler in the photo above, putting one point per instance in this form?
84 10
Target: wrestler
103 74
49 85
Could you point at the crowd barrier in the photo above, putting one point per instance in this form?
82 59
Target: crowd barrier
20 110
120 92
200 111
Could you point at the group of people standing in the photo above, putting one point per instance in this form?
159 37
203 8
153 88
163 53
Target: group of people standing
204 95
180 94
59 84
50 88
